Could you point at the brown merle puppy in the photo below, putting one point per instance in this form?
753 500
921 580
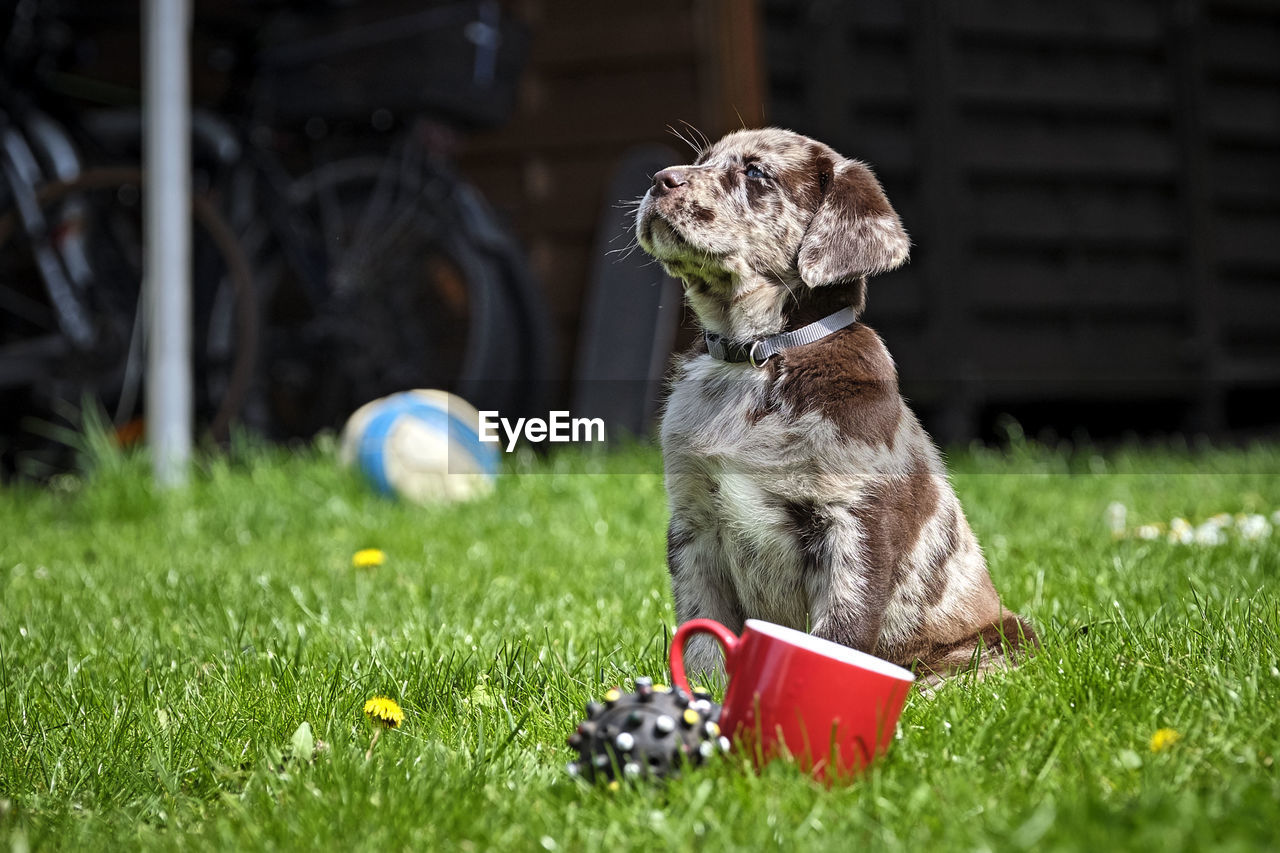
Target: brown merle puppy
802 490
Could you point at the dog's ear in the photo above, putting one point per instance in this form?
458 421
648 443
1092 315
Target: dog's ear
855 231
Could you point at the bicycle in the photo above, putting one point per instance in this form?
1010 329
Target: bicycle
341 253
365 236
71 331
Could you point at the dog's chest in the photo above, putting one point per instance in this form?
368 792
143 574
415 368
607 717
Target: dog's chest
723 412
746 529
731 473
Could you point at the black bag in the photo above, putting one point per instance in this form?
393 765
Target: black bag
460 61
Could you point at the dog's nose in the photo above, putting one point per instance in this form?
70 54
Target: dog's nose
668 180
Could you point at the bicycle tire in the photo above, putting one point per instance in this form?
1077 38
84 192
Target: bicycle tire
238 274
535 347
514 331
386 192
374 170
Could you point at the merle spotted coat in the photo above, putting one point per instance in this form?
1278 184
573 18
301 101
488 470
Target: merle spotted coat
804 491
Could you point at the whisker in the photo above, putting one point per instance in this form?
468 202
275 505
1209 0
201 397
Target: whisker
706 143
694 142
624 252
692 145
784 284
627 226
622 258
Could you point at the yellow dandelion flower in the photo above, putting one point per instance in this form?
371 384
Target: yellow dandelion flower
368 558
1163 739
384 712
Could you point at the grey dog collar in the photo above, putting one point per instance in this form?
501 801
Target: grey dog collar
760 350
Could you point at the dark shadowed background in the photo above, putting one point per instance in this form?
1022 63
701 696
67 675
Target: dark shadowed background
1092 189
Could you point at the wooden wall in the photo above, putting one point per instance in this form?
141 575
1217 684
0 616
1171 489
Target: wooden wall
1093 189
602 78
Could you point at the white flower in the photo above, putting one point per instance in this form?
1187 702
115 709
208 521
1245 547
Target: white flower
1115 516
1148 531
1209 533
1222 519
1181 532
1254 527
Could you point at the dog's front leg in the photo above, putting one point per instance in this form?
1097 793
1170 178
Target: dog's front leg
843 614
846 594
702 589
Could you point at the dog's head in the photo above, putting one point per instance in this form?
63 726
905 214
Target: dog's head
763 216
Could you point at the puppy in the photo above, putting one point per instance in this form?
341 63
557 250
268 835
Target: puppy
802 490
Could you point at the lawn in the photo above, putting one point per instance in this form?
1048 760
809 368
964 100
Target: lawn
158 654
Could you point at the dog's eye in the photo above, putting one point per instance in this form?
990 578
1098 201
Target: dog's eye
754 171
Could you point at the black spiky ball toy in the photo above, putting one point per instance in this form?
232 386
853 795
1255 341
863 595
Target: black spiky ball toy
652 732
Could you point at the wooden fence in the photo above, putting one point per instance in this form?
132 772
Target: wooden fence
1093 189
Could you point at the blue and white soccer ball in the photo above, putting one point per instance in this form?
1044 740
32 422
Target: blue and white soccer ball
422 445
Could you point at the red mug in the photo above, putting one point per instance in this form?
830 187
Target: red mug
830 707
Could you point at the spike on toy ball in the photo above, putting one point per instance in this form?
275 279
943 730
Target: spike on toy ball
653 731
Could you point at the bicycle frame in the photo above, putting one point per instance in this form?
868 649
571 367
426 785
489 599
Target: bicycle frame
56 250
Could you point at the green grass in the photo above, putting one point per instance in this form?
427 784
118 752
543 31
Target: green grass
157 654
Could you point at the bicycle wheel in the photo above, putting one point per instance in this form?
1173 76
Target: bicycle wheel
410 300
96 223
531 345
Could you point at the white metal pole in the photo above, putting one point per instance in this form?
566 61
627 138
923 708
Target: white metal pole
166 26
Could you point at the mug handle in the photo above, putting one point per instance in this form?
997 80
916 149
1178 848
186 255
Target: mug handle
727 639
